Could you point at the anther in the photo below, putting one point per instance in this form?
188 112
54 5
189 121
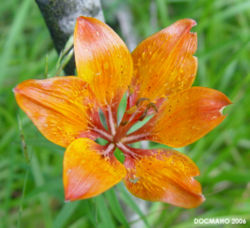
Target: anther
139 101
150 105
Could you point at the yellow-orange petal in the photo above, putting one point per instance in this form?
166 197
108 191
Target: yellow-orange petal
102 59
164 62
186 116
86 172
165 176
57 106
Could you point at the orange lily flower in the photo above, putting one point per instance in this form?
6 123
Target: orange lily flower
157 77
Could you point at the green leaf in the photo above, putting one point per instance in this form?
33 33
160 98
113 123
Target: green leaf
115 207
130 202
65 214
104 213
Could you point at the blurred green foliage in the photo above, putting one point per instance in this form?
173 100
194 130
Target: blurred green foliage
31 191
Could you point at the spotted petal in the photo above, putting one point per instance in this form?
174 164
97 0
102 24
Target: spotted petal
164 63
166 176
87 172
102 60
185 117
59 107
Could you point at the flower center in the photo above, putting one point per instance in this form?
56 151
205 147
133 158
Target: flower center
117 133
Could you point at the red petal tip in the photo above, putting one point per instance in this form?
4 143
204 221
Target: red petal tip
68 197
15 90
224 106
193 22
188 21
83 20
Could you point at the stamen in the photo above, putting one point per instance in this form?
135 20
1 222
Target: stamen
139 101
130 90
108 149
111 121
123 123
134 138
126 149
132 117
131 110
104 134
143 115
150 105
137 109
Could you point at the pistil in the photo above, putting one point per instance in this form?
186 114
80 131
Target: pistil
103 134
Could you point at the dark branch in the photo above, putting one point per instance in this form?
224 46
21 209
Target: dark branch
60 17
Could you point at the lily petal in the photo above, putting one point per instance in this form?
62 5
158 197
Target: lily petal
164 62
87 172
165 176
59 107
185 117
102 59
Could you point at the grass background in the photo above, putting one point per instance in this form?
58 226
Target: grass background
31 192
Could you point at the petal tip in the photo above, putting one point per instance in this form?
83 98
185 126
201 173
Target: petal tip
226 103
196 203
188 22
69 196
15 90
83 20
81 23
202 199
192 22
229 102
222 109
